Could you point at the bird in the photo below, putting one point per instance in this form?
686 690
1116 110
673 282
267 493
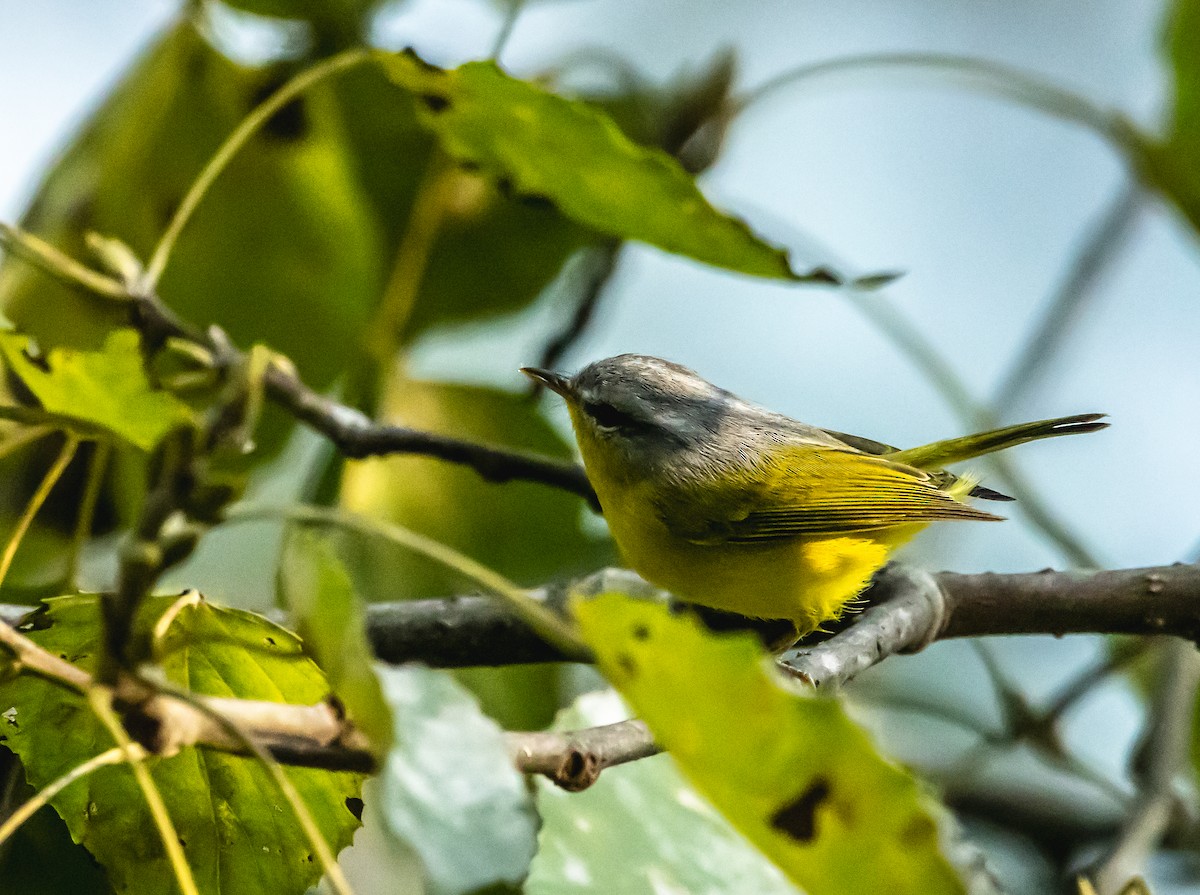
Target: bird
735 507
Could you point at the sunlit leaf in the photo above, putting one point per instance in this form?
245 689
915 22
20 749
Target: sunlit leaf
106 388
237 832
550 150
787 769
640 828
449 787
330 620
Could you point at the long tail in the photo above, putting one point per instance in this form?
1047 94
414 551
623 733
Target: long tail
952 450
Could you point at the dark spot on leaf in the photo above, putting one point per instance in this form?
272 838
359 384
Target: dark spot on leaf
355 806
308 858
535 200
626 664
182 842
918 831
435 102
271 640
798 818
641 632
505 186
469 165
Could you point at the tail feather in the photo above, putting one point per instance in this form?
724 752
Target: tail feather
954 450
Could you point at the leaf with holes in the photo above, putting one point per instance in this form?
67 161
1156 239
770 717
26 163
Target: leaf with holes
238 833
106 389
788 769
567 154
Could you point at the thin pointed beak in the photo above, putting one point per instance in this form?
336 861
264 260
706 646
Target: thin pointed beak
556 382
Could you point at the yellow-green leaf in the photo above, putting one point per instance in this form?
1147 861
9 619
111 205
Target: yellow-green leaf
106 388
789 770
330 620
551 150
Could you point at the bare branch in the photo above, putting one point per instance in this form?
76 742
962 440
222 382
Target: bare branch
574 759
1164 754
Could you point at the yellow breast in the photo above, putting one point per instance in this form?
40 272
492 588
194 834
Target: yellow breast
805 580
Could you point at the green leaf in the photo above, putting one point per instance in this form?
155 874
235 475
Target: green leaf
106 388
449 787
788 769
282 250
639 828
238 833
550 150
331 622
1172 164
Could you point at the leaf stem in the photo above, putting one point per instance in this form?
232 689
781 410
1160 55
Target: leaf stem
233 143
541 619
87 508
59 264
100 700
35 503
27 809
998 78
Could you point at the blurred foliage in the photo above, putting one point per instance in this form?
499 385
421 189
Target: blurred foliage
449 787
236 829
789 770
1172 163
639 828
328 616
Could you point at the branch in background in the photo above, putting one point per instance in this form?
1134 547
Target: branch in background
1094 258
599 263
1164 754
356 435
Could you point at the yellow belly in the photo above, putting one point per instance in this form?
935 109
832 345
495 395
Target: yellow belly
807 580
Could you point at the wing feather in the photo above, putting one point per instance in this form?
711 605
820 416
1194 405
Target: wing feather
811 491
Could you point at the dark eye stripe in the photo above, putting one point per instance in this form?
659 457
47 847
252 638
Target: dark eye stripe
608 416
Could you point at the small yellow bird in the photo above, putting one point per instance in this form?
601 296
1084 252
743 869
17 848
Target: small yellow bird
730 505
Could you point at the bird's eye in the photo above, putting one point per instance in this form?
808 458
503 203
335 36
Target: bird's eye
607 416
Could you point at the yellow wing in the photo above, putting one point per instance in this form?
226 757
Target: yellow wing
810 491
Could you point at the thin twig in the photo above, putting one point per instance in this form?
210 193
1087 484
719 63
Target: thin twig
573 760
1093 258
101 453
599 263
543 621
26 810
1165 753
59 264
995 77
100 700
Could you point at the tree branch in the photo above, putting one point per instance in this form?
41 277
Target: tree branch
908 610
